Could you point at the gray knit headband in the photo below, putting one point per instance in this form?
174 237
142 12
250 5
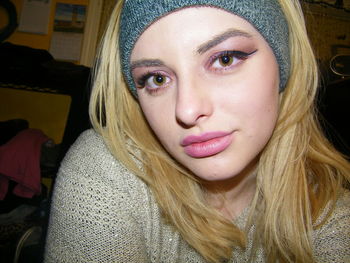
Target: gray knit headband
265 15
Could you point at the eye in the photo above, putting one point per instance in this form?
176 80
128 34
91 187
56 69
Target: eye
227 59
158 80
153 81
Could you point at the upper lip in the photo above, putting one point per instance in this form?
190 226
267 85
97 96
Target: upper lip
203 137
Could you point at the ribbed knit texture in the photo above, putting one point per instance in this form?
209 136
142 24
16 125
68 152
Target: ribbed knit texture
102 213
265 15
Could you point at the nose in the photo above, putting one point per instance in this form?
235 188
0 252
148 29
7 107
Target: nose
193 102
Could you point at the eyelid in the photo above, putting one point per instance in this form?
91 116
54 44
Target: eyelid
234 53
145 76
142 80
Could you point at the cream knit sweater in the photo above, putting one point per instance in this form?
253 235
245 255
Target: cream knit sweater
103 213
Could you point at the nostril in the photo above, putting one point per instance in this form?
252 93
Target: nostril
183 125
190 118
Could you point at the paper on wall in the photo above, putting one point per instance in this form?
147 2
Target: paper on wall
35 16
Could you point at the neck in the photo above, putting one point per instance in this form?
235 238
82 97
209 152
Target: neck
232 195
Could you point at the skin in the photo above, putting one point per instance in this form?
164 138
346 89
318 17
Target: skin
192 87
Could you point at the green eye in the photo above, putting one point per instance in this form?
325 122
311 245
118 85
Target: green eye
159 80
226 60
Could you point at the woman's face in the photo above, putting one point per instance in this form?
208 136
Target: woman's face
207 83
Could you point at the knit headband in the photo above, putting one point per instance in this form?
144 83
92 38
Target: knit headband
265 15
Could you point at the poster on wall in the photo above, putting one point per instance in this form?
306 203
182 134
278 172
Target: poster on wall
35 16
67 36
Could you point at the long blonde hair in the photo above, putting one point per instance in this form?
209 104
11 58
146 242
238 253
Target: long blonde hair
299 172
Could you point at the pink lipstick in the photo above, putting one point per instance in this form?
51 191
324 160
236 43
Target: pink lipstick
207 144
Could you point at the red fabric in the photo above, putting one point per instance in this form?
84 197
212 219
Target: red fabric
20 162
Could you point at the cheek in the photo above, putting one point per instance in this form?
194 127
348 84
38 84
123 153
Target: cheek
159 118
262 93
264 103
263 106
253 101
261 114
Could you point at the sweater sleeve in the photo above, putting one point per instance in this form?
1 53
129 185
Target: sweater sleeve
332 242
92 216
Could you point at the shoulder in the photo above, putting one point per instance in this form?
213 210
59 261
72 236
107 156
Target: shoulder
332 239
90 152
89 159
99 209
341 212
91 170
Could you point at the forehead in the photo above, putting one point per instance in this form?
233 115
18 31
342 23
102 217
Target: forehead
190 26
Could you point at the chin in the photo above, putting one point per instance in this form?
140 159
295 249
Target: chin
216 171
216 168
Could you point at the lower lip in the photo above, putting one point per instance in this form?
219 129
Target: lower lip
208 148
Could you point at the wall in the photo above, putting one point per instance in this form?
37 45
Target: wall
326 27
44 111
329 31
36 40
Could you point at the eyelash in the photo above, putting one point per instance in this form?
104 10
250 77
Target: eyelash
141 81
145 77
240 55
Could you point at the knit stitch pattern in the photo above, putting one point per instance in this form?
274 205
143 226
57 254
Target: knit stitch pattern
102 213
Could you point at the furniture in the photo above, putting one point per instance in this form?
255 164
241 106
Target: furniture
39 92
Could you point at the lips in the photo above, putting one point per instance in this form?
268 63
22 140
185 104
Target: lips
207 144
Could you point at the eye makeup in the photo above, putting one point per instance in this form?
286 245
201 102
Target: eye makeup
223 58
227 59
153 81
141 81
220 62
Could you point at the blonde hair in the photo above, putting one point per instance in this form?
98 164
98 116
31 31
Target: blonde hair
299 172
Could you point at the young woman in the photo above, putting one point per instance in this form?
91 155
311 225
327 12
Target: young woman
205 145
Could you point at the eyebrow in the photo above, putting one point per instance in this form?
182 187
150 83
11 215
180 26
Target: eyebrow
220 38
146 63
201 49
